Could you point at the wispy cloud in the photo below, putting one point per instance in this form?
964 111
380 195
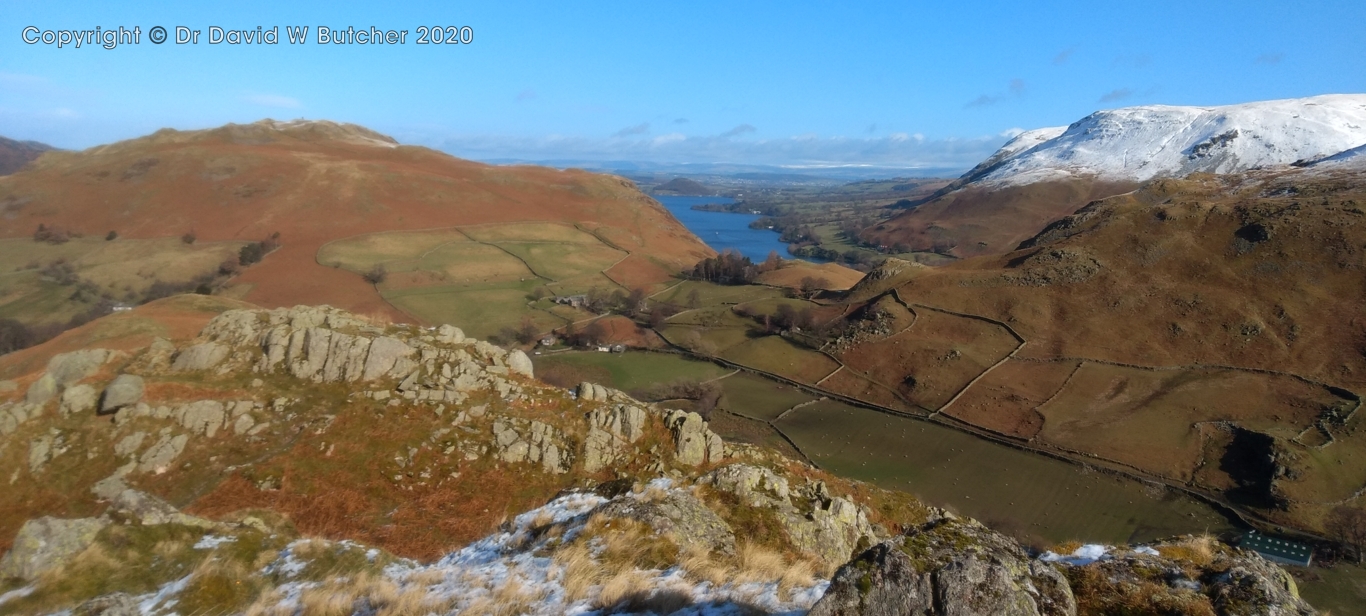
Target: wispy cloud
738 130
526 95
639 129
1269 58
1016 88
273 100
897 150
1117 94
1011 133
1064 55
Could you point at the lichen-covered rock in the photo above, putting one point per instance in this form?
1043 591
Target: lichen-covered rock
449 334
202 417
694 443
130 444
948 567
78 399
159 456
675 512
124 390
828 527
149 510
63 370
47 543
200 357
1256 587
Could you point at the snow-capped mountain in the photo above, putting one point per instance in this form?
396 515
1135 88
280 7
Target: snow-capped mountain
1141 143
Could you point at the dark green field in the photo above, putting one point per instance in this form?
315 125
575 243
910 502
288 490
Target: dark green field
1033 497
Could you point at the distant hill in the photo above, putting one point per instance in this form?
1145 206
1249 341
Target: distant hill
315 182
1045 174
683 187
15 154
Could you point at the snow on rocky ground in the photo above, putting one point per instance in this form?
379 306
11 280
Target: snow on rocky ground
1142 143
516 556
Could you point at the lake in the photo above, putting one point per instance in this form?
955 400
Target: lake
722 230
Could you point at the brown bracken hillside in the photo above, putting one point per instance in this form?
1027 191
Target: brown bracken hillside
314 182
1207 332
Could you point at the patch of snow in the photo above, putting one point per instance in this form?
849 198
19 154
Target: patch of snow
520 555
1083 555
209 542
1143 549
18 593
1142 143
164 597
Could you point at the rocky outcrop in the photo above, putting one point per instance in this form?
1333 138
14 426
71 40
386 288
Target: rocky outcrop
124 390
519 363
611 431
134 506
48 543
831 527
199 357
78 399
63 370
694 443
518 440
947 567
159 456
678 514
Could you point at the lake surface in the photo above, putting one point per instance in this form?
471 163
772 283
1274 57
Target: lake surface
722 230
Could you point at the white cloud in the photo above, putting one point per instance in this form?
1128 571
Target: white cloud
1011 133
896 150
273 100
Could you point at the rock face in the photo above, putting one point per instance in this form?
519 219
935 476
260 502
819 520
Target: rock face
63 370
125 390
199 357
519 363
678 513
694 442
78 399
611 431
47 543
831 527
947 567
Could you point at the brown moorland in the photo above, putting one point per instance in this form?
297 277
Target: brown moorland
315 182
972 220
1182 331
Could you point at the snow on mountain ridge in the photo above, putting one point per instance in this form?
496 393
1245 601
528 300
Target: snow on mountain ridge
1141 143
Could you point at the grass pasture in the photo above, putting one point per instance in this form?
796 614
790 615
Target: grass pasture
783 357
1149 418
760 398
122 268
480 278
1030 496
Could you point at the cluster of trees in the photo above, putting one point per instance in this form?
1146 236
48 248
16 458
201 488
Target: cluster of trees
785 318
731 267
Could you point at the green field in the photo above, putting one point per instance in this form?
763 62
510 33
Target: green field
481 278
122 269
759 398
780 356
1340 590
1028 495
633 370
709 294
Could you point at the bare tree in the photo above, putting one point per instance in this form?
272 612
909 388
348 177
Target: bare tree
1348 525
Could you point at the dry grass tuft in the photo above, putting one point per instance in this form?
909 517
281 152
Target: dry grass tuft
628 584
1197 550
758 564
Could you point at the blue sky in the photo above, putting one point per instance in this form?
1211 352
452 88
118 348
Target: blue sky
898 84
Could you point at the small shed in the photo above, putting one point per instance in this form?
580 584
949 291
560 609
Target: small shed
1278 550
